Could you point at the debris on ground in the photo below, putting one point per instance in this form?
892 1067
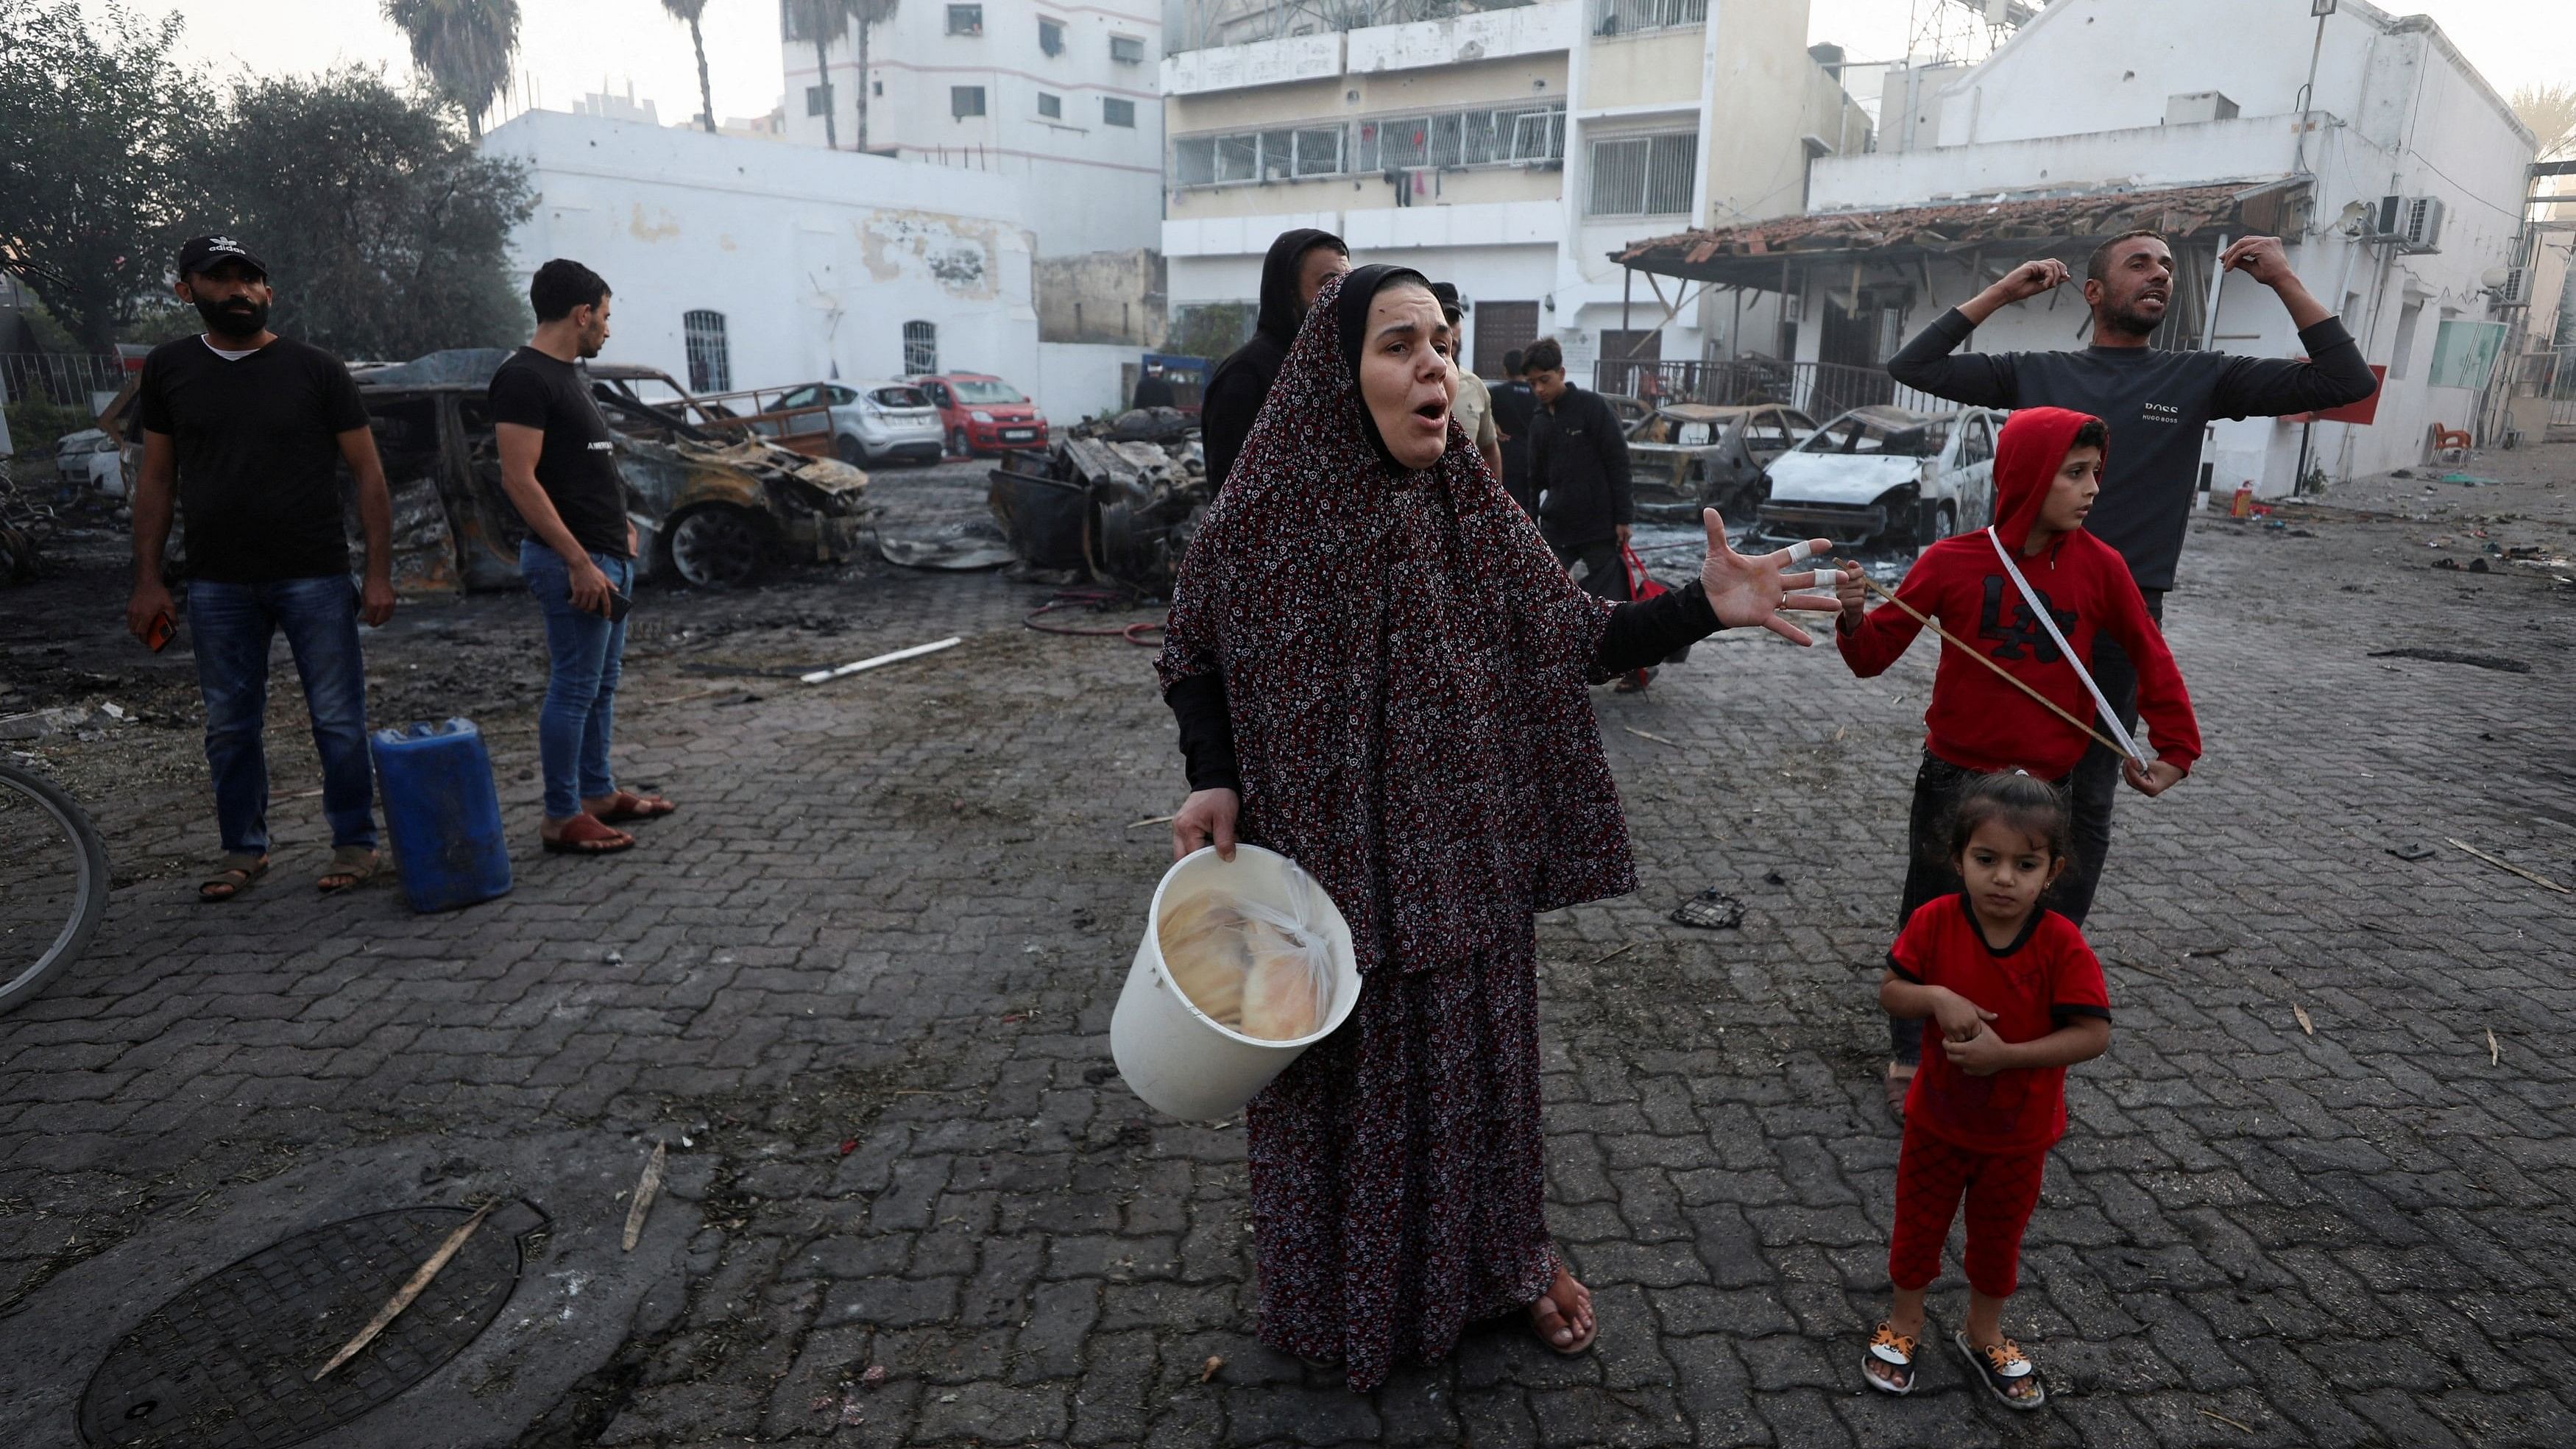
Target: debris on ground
1208 1370
1110 500
818 676
645 1188
2496 662
1711 910
962 547
411 1289
2506 865
2411 851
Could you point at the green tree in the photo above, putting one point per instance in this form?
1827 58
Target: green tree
825 21
386 233
691 12
88 194
465 48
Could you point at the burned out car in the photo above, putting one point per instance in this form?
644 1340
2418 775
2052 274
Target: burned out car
710 508
1684 457
1111 500
1885 477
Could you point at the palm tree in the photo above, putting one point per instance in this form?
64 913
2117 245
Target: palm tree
691 11
824 21
465 47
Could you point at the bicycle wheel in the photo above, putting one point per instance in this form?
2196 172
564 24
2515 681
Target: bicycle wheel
55 867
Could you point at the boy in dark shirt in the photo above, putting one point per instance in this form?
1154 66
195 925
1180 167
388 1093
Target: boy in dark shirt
1514 406
559 467
2156 403
249 430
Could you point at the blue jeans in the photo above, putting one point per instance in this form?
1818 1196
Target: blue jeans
230 627
581 682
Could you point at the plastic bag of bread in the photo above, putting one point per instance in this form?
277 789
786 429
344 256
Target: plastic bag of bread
1251 967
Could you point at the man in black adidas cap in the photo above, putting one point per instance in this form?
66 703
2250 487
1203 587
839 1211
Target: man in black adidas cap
249 430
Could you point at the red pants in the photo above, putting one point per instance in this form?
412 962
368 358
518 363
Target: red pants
2001 1189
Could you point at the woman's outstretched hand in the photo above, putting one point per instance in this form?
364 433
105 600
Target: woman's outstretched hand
1206 818
1749 589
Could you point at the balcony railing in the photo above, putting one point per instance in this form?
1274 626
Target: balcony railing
1818 389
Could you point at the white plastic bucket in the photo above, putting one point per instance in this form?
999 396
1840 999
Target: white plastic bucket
1174 1055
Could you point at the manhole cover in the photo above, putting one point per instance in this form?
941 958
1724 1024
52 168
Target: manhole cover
228 1364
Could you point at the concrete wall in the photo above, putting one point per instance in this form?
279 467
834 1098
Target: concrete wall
1657 68
1094 186
2149 156
1102 297
808 276
1078 380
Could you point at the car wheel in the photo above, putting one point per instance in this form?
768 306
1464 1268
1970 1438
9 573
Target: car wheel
850 450
716 547
957 445
1939 522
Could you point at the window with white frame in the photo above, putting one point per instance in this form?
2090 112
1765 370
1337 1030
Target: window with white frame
1643 175
1517 136
964 101
1127 49
1630 17
965 19
1115 112
702 335
920 348
1050 106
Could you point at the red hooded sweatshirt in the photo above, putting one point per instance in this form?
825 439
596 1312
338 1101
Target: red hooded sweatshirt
1979 722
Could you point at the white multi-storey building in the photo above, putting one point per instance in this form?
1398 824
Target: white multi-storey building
1059 97
2393 172
1508 150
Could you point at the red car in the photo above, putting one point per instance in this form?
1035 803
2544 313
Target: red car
982 413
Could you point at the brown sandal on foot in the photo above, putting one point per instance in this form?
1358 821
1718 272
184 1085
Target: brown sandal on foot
584 835
232 878
1548 1339
351 865
626 805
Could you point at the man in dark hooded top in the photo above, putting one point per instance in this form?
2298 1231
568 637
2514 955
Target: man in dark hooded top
1299 262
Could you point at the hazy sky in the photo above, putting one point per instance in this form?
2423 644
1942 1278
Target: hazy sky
568 47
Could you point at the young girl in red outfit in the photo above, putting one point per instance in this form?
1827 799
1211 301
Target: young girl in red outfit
2048 470
2018 997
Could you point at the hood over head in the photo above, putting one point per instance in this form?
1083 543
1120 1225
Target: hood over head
1280 308
2033 443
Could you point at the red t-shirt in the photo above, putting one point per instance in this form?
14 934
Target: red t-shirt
2032 986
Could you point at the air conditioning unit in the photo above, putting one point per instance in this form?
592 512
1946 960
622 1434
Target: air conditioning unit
2419 224
2515 290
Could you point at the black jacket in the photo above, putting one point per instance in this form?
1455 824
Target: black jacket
2155 403
1515 408
1241 383
1579 461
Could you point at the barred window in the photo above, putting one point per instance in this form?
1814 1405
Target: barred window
1629 17
1050 36
710 361
1115 112
920 348
1643 175
1319 152
1514 135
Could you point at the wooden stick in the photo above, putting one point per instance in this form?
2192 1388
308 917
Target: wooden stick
1658 739
1979 655
410 1290
2538 880
645 1188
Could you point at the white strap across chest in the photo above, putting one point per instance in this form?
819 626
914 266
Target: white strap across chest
2048 621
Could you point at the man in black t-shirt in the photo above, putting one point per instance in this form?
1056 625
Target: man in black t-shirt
250 430
559 467
1515 407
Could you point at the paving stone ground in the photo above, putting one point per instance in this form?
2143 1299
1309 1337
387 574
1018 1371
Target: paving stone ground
868 973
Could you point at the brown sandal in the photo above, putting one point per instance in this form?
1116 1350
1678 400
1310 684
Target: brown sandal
626 805
584 835
1545 1338
234 877
351 865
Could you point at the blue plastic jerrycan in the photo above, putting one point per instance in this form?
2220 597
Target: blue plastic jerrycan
443 814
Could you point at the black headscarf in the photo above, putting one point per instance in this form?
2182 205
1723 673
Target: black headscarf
1350 318
1242 382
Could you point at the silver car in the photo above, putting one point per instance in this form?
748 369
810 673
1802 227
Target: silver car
874 422
1885 476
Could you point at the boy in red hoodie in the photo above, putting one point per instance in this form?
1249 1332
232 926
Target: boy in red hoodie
2048 468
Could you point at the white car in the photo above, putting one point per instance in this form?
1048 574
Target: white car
874 422
90 456
1885 476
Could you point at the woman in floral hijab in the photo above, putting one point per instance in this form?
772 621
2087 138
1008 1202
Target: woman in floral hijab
1382 673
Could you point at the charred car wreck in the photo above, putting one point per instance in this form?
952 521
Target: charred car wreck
711 507
1112 501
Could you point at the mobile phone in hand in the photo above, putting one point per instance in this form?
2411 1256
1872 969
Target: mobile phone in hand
618 604
158 634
